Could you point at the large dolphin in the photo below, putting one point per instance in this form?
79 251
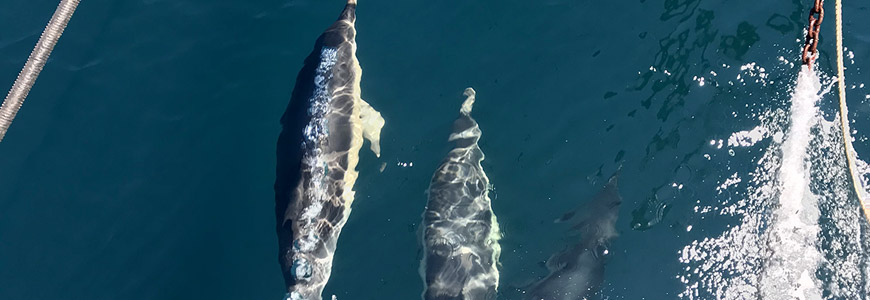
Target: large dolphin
578 271
318 150
460 233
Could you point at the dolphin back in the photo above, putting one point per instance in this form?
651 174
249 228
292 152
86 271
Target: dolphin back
577 272
460 234
318 150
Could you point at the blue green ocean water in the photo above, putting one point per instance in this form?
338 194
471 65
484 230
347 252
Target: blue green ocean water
142 164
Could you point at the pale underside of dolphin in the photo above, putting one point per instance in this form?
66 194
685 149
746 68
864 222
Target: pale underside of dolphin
318 151
577 272
460 233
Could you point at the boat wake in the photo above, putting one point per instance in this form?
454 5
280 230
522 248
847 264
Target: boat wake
798 224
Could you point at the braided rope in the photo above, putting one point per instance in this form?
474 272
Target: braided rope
35 63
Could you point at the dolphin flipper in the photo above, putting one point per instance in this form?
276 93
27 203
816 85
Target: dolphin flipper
372 123
558 261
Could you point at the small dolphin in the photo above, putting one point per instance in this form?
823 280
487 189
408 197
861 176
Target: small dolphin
460 233
578 271
318 150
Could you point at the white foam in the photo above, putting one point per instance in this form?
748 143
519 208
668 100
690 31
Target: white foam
747 138
774 251
733 180
790 271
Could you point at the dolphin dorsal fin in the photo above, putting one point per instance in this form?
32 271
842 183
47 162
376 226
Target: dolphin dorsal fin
469 101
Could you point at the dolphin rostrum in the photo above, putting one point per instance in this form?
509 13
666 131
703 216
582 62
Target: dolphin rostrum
577 272
460 234
318 150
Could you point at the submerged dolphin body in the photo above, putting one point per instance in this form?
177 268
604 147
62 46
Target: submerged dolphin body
460 234
578 271
318 150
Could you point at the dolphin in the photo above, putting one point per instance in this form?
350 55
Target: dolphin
577 272
323 129
460 233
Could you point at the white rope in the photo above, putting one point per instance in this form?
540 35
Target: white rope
844 115
27 76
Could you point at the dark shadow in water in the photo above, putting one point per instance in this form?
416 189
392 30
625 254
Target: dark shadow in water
780 23
290 151
684 49
683 9
735 46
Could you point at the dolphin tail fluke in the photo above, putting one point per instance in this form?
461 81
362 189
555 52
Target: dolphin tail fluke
469 101
372 123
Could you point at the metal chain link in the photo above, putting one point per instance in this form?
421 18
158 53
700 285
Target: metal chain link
809 54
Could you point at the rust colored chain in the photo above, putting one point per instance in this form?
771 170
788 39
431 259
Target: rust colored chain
809 54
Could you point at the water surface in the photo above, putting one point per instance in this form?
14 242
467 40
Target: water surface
142 164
